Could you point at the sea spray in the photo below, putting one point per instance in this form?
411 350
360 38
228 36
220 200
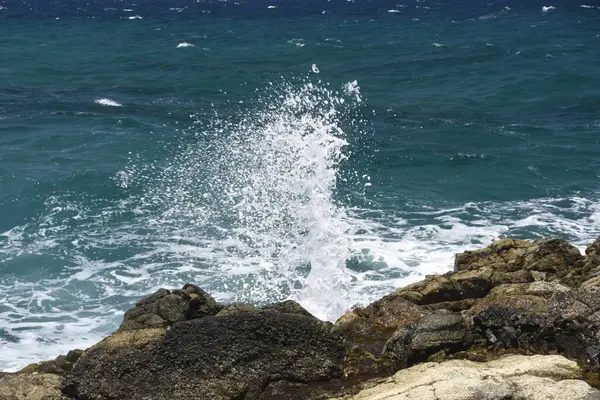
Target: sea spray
262 188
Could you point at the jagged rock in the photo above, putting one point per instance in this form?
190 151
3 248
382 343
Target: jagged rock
242 355
434 333
512 296
37 386
592 255
502 255
73 355
59 366
510 328
582 303
379 319
514 377
398 347
528 297
164 308
553 256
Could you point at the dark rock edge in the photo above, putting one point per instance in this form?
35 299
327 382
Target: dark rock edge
514 296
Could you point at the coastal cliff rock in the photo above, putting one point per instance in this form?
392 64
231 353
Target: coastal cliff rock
245 354
515 298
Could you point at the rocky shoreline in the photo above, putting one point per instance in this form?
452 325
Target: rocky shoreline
515 320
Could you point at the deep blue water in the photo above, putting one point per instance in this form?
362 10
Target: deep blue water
323 151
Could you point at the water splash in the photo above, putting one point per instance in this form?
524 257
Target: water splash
261 189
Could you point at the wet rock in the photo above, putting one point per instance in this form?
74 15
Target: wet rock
241 355
164 307
513 377
36 386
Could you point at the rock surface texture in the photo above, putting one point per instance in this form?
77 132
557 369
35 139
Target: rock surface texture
512 377
515 320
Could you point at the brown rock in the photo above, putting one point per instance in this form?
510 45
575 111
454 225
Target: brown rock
30 387
379 319
555 257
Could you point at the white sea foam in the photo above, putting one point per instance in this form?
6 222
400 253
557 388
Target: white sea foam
314 68
298 42
548 8
107 102
436 44
184 44
393 11
135 17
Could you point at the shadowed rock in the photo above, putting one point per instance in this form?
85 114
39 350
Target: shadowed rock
241 355
434 333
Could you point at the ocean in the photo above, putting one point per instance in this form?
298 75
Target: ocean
323 151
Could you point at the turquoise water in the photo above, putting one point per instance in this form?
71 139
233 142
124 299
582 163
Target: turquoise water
322 151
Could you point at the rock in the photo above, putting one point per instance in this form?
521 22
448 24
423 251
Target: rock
59 366
441 331
248 355
528 297
510 328
380 319
553 256
164 307
30 387
201 304
398 347
593 357
461 285
73 355
434 333
502 255
289 307
514 377
592 255
581 303
235 308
